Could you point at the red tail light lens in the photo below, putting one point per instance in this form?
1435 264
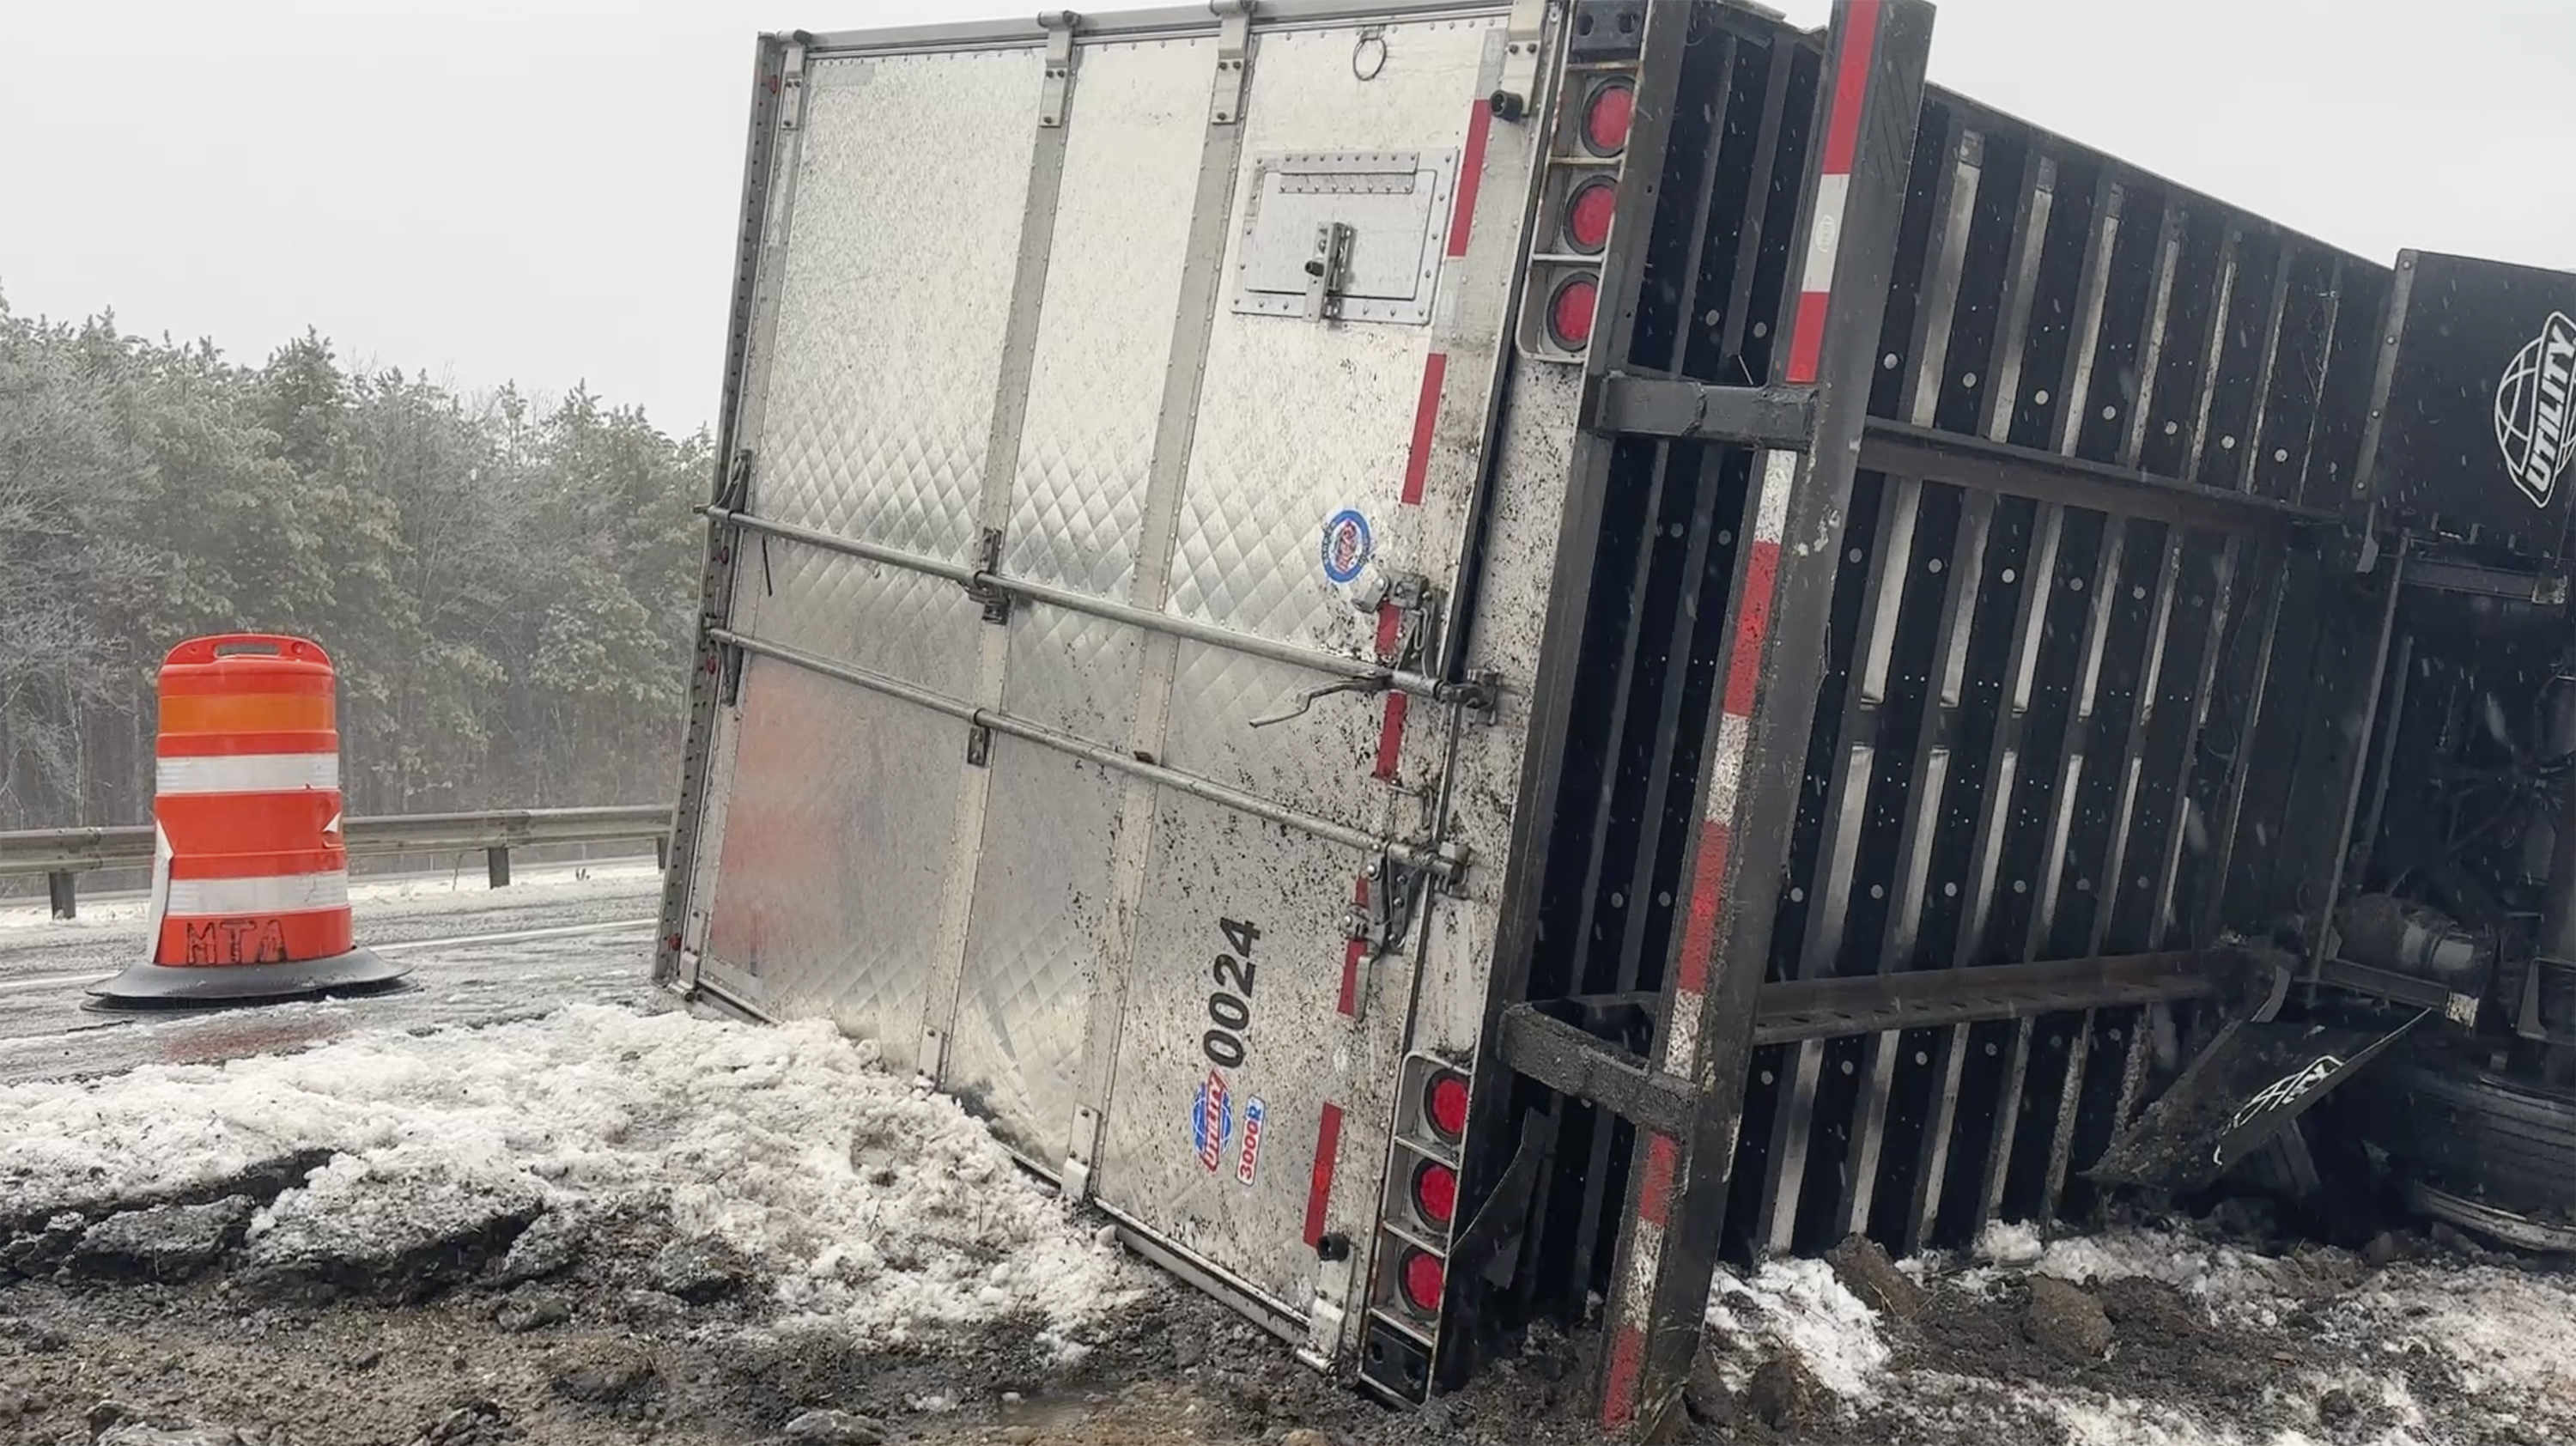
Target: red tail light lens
1587 215
1607 112
1569 312
1435 1191
1421 1277
1444 1104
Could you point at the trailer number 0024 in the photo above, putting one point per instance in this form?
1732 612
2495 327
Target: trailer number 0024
1231 1012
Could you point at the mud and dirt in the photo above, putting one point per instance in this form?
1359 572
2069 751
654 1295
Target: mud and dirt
479 1343
153 1324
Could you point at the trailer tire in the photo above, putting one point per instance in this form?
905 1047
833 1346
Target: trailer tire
2505 1143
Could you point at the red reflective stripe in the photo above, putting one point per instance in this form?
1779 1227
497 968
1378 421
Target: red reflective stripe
1707 900
1471 171
220 942
1753 626
1319 1189
1851 86
1619 1387
1390 735
1426 416
1390 731
1352 954
1655 1191
1807 341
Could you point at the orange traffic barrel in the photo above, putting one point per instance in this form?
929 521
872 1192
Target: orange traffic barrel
250 880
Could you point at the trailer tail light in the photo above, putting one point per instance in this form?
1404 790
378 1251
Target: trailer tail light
1421 1279
1587 215
1435 1192
1569 312
1444 1104
1594 119
1418 1213
1608 109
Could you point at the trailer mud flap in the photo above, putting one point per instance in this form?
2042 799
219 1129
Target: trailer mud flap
2252 1081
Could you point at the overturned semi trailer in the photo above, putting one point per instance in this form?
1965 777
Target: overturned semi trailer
1459 655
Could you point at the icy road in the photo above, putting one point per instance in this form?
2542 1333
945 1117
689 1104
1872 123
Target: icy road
557 934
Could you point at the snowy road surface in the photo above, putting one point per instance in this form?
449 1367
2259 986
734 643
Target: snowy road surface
554 936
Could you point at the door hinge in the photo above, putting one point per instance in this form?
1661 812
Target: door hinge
1233 50
1059 26
733 494
729 658
791 85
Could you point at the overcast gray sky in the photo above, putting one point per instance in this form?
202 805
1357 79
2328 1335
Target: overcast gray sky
543 190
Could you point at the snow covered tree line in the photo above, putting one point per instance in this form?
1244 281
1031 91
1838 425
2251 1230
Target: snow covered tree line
505 588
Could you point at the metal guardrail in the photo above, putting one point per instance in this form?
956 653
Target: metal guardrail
62 854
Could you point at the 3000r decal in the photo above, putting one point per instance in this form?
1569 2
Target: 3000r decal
1230 1003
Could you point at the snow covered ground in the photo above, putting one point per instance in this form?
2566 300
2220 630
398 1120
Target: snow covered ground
539 1096
867 1204
2210 1345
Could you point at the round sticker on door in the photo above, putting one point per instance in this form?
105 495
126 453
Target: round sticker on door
1347 545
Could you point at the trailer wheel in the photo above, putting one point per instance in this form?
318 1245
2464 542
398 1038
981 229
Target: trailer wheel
2466 1134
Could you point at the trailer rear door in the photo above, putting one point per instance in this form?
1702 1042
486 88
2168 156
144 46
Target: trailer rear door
1095 397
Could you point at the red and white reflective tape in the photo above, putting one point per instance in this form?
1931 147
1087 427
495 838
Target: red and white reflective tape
1637 1287
1833 186
1704 913
246 773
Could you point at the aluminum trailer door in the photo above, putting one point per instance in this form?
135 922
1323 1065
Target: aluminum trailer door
1104 426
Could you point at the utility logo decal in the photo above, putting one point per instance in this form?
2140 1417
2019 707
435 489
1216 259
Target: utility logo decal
2532 416
1212 1121
1248 1164
1347 545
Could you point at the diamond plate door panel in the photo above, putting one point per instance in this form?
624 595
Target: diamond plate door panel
901 248
1300 421
894 296
817 904
1215 1036
1036 928
1039 915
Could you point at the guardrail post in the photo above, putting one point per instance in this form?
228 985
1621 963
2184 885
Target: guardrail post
496 862
662 852
59 891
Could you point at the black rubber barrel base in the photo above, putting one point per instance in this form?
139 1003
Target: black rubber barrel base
230 986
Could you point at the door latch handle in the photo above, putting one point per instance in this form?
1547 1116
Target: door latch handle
1306 700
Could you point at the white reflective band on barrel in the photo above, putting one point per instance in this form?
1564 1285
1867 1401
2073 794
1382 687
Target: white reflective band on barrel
247 773
277 894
